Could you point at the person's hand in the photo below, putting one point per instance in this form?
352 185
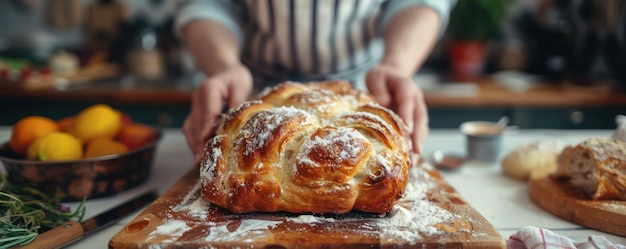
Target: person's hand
231 86
396 90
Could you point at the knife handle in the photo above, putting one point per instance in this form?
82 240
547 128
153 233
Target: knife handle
57 236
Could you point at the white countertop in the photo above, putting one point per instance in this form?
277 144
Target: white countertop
501 200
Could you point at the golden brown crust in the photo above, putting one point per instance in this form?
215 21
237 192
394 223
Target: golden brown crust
596 168
307 148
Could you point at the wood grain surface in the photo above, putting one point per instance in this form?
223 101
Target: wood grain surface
159 225
555 197
57 236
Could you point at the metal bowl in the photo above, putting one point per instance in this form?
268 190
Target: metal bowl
85 178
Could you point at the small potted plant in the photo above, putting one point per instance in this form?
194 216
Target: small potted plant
473 23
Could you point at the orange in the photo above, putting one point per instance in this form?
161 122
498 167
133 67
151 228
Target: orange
137 135
96 121
27 129
126 119
65 123
55 146
103 146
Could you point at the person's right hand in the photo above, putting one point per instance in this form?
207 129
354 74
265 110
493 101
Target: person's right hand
231 86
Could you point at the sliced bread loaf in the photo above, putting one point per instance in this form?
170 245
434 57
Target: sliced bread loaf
596 167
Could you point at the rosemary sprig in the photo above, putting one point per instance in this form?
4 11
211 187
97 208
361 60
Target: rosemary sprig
11 235
26 211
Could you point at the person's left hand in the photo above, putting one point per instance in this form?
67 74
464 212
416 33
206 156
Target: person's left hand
396 90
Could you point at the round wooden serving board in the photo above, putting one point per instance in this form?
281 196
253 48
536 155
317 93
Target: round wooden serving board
554 197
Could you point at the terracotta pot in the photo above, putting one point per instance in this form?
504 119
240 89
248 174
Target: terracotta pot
467 58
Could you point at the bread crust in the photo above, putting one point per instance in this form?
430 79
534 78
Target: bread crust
596 168
520 162
322 148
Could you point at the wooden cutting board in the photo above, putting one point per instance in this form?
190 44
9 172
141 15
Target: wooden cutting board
437 218
555 197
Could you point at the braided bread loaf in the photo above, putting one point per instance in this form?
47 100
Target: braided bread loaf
322 148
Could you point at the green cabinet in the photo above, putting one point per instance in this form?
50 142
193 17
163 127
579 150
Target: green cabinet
530 117
165 115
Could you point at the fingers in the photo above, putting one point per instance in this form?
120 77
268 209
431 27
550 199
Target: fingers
399 92
231 86
193 139
189 133
206 105
377 85
411 107
240 91
405 100
215 95
420 129
190 128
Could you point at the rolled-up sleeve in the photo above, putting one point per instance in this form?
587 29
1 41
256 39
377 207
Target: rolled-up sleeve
225 12
441 7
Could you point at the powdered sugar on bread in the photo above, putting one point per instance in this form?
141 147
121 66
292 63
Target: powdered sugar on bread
320 148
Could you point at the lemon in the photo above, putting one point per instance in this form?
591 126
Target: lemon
96 121
27 129
55 146
103 146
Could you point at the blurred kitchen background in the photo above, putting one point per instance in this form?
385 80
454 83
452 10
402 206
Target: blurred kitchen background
554 64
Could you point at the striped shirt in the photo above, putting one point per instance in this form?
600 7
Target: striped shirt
306 39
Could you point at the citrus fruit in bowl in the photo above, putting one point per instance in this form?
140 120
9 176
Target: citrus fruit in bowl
27 129
55 146
104 146
96 121
69 160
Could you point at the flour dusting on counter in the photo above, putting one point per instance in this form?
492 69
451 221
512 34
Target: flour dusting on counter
416 215
247 230
309 219
613 205
172 228
194 205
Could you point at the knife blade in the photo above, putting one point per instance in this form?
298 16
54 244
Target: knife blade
73 231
